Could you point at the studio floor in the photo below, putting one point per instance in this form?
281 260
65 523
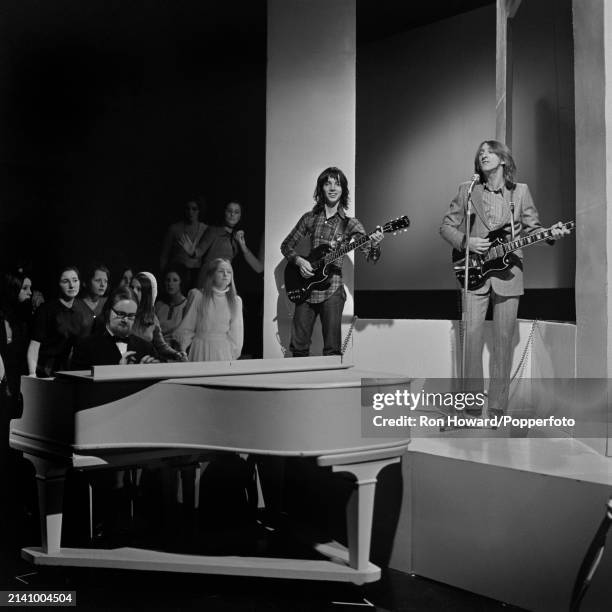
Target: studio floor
132 590
122 590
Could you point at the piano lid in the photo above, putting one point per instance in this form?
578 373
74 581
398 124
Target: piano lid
315 379
160 371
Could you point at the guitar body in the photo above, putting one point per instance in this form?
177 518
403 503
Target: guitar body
322 259
299 288
479 269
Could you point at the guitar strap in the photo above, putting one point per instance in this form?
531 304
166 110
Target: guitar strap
343 222
512 213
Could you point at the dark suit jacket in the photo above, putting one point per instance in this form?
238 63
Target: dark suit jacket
526 221
102 350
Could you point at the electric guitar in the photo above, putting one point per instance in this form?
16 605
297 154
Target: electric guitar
499 256
299 288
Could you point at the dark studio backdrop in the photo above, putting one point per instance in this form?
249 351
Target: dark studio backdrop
113 114
425 100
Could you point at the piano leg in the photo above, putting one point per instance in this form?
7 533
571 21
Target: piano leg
360 509
50 478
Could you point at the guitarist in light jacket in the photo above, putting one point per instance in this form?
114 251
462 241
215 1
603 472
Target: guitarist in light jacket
495 201
326 224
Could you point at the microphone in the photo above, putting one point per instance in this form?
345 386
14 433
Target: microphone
475 179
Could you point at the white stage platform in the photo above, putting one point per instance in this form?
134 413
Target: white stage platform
507 518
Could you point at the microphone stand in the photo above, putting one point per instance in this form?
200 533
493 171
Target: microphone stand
468 213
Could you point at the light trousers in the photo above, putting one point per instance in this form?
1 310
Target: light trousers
505 310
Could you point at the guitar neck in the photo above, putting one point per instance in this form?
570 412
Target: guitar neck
509 247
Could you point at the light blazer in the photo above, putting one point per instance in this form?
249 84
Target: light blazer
526 221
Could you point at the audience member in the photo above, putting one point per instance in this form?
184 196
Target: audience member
97 282
146 324
116 344
180 247
170 307
126 276
226 241
15 327
212 327
58 324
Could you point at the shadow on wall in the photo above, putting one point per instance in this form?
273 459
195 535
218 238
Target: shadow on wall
556 161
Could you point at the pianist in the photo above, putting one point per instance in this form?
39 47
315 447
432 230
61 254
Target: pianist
116 344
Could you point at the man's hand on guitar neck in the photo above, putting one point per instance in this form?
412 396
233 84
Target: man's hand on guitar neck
304 267
479 245
558 230
377 236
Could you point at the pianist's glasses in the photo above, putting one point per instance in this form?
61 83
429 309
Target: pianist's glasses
130 316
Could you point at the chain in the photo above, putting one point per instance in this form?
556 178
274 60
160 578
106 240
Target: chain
523 361
286 351
348 335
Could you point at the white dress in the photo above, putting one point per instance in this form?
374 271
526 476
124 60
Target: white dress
212 330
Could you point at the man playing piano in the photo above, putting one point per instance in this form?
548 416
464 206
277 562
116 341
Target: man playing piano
115 345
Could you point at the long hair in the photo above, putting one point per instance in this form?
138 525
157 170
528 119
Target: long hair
504 154
145 314
119 293
199 201
209 275
239 203
163 297
9 294
124 269
319 194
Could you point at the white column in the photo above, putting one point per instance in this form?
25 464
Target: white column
310 125
593 111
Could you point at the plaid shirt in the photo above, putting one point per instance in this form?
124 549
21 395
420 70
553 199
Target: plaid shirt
333 231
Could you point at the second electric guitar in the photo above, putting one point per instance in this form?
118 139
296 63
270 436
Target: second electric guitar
497 258
299 288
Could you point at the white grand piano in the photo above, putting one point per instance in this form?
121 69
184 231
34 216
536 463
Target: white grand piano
131 415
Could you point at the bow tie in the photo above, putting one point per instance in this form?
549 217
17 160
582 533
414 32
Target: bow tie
498 191
117 340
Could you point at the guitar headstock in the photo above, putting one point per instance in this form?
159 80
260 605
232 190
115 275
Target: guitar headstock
396 225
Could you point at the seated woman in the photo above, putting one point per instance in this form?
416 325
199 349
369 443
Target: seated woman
58 325
146 324
226 242
180 244
95 287
116 344
15 327
170 307
212 327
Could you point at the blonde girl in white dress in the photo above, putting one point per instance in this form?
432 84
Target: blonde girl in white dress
212 327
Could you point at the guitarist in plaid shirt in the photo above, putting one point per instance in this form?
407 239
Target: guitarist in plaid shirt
327 223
